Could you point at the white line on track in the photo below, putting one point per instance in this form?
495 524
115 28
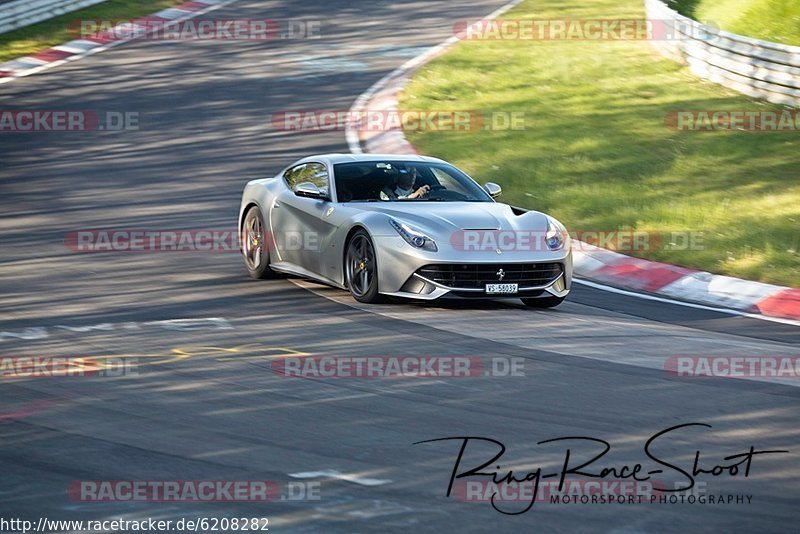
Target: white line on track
655 298
331 473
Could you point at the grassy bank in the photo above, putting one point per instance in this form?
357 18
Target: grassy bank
771 20
596 153
36 37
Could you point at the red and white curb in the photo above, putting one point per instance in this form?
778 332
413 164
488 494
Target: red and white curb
712 291
716 290
79 48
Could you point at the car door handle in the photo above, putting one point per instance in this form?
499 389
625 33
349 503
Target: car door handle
276 204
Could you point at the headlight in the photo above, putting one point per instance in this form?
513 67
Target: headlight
412 237
556 234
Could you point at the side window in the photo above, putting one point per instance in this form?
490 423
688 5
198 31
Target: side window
316 173
291 177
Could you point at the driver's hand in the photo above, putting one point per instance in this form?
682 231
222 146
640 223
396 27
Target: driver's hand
422 191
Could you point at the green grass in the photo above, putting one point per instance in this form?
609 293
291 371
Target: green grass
596 153
771 20
43 35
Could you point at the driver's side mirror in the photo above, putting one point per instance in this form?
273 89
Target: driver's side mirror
309 190
493 189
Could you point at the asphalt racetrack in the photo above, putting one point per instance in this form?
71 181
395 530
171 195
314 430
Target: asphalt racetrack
205 402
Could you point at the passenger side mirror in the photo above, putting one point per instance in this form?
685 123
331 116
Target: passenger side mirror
493 189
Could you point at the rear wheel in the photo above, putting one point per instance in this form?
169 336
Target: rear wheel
361 269
543 302
254 245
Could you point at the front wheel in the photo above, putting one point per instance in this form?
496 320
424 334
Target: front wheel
361 269
254 245
543 302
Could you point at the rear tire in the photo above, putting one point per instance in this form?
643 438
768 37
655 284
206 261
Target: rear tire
255 248
543 302
361 269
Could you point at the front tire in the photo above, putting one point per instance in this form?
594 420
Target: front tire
255 248
543 302
361 269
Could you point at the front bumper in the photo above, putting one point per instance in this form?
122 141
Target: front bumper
404 271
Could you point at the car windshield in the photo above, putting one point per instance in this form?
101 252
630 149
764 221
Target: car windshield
405 181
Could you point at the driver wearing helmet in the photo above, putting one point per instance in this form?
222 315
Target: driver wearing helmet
404 186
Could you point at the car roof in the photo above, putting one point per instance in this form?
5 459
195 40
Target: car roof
333 159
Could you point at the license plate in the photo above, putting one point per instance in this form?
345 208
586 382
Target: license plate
501 289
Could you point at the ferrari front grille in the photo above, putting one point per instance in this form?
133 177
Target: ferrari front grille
477 275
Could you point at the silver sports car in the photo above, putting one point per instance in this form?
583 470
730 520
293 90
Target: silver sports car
401 226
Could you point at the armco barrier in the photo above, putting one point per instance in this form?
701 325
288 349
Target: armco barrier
757 68
19 13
